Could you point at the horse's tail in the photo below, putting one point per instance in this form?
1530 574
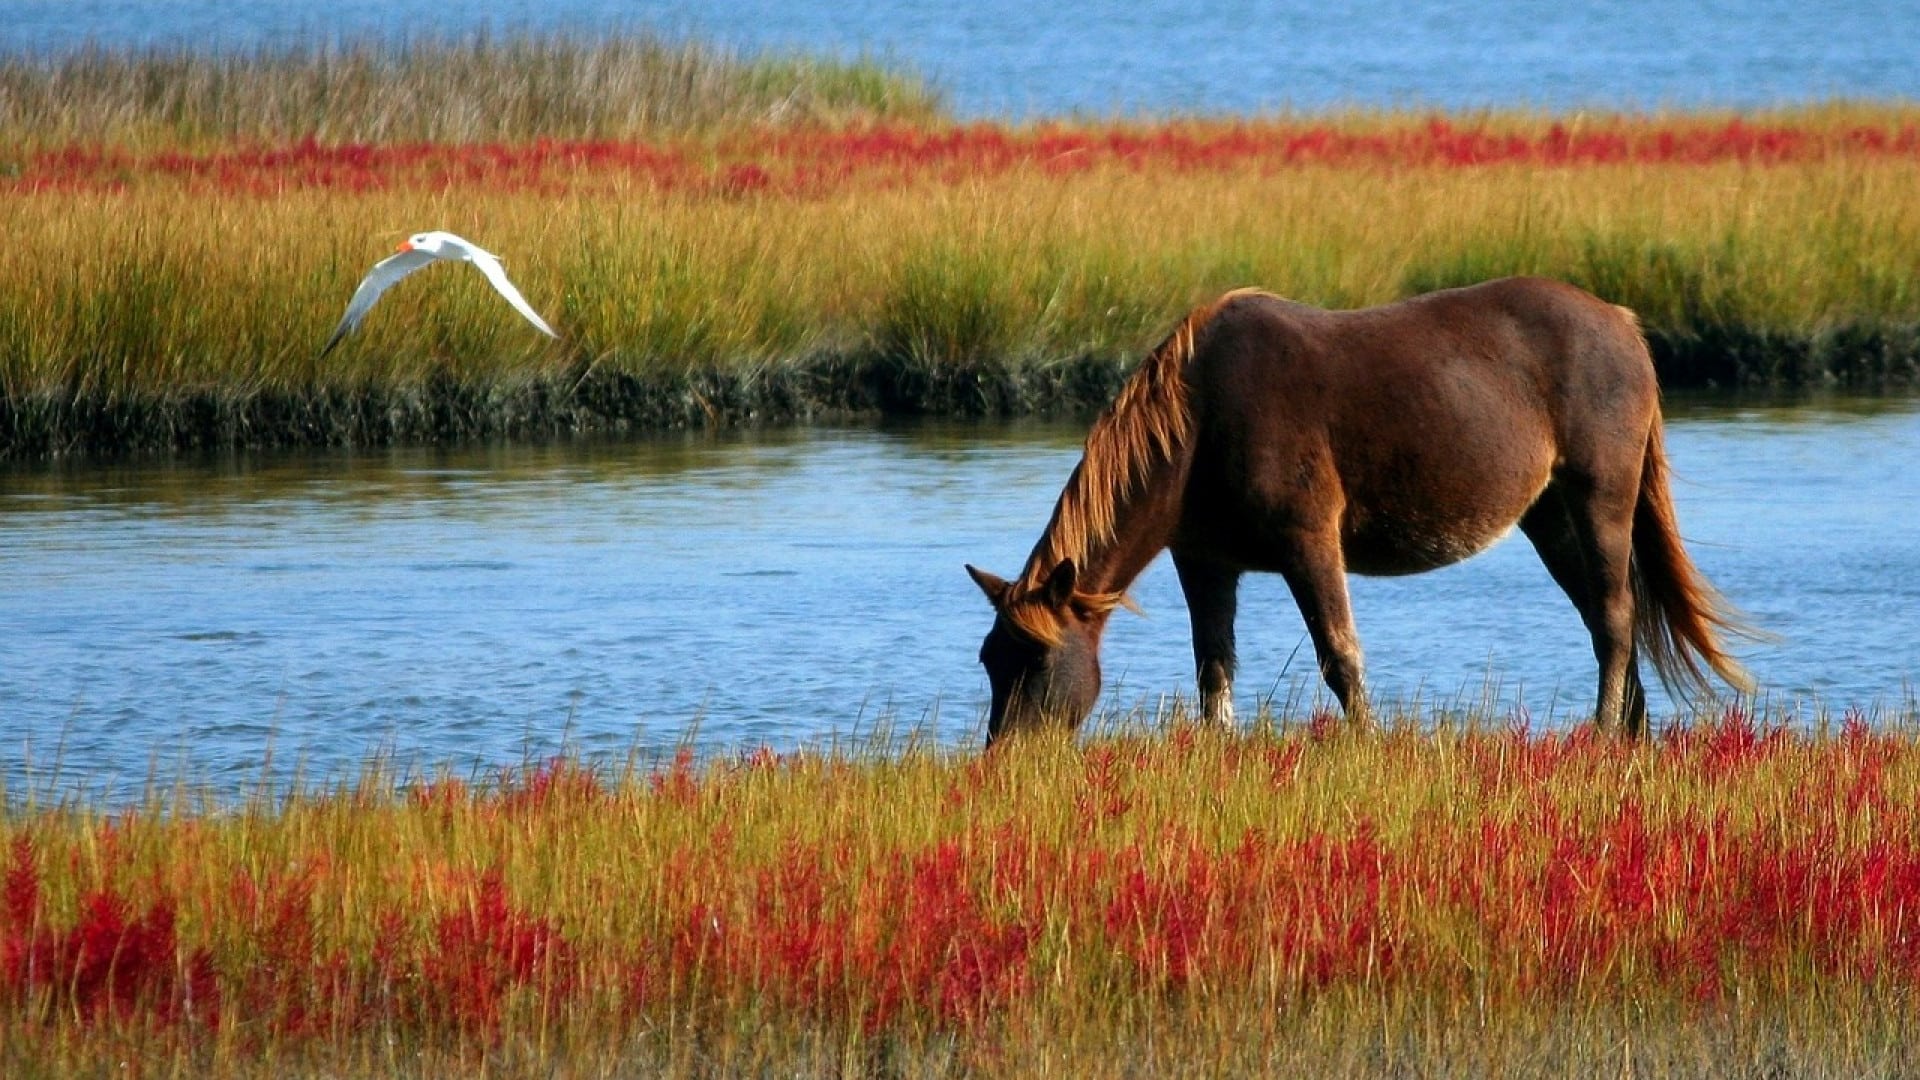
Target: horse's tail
1679 617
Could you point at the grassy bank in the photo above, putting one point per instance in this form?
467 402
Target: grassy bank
1732 899
161 293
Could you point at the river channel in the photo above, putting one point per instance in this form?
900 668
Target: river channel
251 617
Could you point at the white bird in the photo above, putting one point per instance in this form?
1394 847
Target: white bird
417 251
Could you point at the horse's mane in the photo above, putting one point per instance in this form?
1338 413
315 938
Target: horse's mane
1146 424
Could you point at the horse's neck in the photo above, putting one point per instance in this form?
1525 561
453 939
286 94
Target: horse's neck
1123 561
1108 560
1118 509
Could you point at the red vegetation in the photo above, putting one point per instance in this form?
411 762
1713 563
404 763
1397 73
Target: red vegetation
109 963
1512 890
479 956
810 163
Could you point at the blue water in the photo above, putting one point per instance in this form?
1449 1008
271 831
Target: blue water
237 618
1015 58
233 618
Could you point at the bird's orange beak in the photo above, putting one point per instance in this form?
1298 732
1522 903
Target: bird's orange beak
405 245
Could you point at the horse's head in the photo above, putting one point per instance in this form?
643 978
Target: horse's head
1043 654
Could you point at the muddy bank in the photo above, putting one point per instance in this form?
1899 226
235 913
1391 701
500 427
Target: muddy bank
1859 358
448 408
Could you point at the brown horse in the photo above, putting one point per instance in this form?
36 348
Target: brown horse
1272 436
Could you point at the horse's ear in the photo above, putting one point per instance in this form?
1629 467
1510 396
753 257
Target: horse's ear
1060 583
993 585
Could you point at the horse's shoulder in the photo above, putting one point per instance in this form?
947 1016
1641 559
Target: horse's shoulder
1267 312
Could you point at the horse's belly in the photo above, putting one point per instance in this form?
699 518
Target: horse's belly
1390 549
1432 507
1408 531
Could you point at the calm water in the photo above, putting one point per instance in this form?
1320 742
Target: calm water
474 607
1014 57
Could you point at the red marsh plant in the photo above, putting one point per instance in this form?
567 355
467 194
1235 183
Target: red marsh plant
1092 891
816 161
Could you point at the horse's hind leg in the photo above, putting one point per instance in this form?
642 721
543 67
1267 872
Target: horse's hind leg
1212 597
1587 545
1316 573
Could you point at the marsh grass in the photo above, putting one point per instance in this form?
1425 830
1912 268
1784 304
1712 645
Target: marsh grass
458 90
1453 897
155 315
724 239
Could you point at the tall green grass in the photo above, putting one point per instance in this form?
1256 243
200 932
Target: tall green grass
156 295
474 89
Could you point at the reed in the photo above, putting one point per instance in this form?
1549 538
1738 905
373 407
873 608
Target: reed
1734 897
457 90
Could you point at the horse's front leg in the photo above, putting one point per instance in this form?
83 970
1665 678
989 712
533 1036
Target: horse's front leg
1212 592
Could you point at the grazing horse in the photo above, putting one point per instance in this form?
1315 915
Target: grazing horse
1272 436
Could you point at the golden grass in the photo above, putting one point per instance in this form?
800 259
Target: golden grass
156 289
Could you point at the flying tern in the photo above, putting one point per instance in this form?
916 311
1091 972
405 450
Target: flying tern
417 251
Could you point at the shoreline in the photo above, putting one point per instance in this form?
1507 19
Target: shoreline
444 408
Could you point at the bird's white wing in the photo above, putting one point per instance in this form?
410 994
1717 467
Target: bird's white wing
378 280
497 274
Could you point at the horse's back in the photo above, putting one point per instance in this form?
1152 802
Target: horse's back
1425 426
1533 326
1519 348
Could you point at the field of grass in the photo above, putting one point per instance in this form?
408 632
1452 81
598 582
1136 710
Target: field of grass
183 233
1734 898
